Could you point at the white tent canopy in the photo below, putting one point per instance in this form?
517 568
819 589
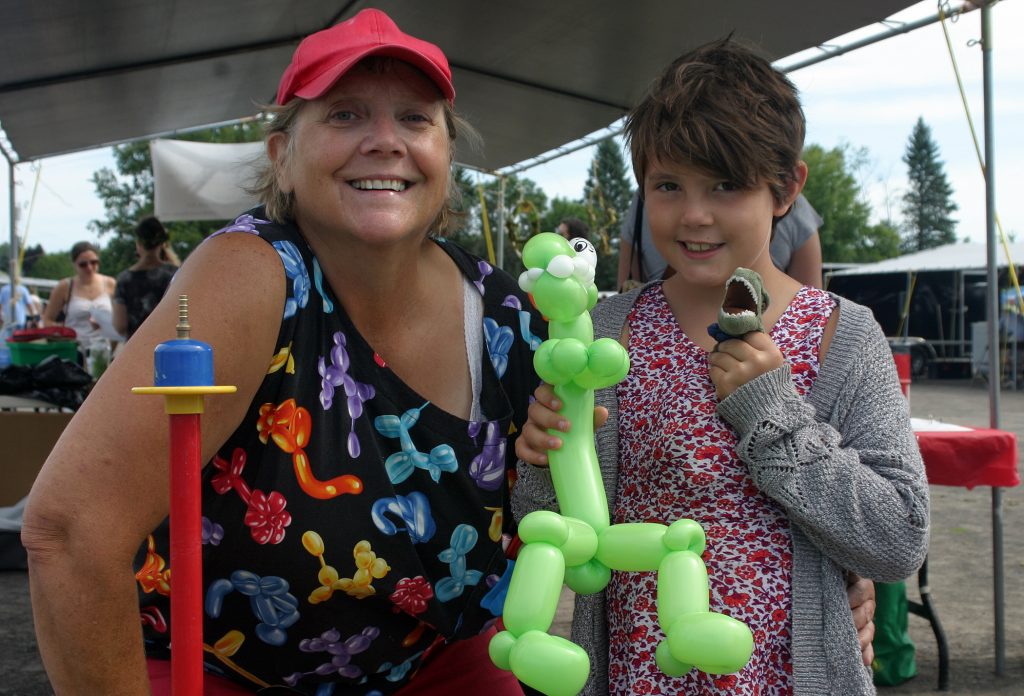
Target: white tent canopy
531 75
949 257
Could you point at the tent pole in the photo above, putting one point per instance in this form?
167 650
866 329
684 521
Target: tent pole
906 305
995 377
12 262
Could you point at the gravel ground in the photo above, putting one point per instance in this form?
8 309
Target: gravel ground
960 573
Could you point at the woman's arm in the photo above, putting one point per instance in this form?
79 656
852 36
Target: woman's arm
119 310
625 261
119 317
854 484
104 486
58 298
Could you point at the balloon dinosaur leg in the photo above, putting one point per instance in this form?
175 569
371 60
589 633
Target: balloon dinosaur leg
550 664
696 637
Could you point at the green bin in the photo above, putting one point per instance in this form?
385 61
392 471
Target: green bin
32 352
894 650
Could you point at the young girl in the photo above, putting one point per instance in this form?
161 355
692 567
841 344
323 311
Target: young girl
791 448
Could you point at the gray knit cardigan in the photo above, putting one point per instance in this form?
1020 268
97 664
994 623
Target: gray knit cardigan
842 462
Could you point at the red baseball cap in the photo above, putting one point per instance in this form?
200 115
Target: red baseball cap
322 58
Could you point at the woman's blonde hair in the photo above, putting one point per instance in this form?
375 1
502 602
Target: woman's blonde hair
280 205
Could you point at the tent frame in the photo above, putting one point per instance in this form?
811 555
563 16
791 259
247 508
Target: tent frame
991 241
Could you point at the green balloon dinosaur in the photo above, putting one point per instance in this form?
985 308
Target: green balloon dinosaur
580 546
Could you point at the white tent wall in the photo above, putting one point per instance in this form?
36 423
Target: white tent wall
202 181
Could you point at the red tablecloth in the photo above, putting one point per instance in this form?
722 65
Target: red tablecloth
969 458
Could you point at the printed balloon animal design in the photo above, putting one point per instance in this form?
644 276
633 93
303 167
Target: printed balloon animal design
580 546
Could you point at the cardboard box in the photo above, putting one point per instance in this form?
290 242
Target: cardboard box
26 439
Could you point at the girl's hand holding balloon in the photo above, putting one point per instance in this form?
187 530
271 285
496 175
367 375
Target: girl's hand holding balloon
735 362
533 444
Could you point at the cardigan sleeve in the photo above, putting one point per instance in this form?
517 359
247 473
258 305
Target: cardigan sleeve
852 479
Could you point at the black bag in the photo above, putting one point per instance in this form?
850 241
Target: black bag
52 371
63 315
60 382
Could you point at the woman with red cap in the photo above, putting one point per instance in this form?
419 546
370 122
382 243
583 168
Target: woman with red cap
355 524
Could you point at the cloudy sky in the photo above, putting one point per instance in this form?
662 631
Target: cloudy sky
868 98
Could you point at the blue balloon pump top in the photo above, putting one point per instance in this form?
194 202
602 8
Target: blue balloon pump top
183 362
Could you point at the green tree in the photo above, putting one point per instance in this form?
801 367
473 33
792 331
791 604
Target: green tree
525 204
607 191
833 190
53 266
607 248
928 203
468 233
559 209
127 196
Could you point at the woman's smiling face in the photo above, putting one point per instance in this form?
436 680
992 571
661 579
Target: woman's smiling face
369 160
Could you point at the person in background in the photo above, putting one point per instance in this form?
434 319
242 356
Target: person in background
356 496
639 260
141 286
82 302
790 446
36 305
571 228
795 246
18 309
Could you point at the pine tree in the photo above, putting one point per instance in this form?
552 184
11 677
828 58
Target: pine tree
928 204
607 192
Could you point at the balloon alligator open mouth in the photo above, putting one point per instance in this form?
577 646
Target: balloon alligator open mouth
742 308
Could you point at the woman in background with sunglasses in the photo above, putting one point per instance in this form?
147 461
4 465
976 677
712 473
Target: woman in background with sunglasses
83 301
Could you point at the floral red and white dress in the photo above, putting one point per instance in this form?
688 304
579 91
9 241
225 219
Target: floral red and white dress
678 459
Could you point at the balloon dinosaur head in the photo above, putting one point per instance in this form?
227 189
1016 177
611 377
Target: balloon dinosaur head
559 275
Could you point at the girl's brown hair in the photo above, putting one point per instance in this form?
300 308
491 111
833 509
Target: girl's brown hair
723 109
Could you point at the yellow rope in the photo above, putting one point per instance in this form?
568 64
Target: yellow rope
487 224
906 304
28 221
977 151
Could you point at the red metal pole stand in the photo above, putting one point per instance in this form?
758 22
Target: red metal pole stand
183 375
186 550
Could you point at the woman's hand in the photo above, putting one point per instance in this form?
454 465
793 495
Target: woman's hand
861 595
735 362
534 442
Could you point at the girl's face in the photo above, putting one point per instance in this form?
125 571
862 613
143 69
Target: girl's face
370 160
705 226
87 264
